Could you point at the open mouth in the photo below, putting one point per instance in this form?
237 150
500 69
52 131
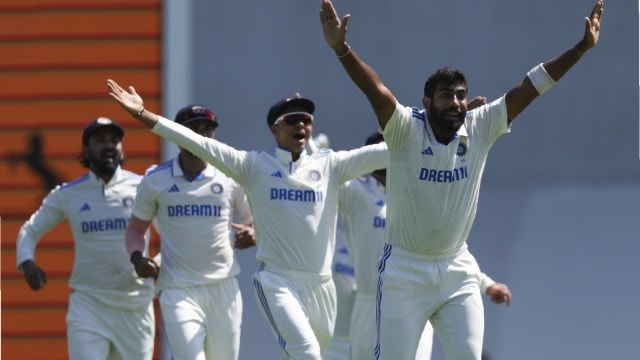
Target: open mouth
108 157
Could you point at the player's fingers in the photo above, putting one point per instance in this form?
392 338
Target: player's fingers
36 280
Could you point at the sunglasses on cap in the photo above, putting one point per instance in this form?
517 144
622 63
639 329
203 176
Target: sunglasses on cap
294 118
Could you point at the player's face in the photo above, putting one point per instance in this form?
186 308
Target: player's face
448 107
105 151
293 135
201 127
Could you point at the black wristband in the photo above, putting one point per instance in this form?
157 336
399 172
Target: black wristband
136 256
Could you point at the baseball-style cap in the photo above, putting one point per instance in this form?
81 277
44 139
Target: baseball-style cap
100 123
279 108
193 113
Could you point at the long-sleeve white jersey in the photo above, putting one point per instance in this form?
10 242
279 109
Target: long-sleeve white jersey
194 221
433 188
98 214
294 203
363 211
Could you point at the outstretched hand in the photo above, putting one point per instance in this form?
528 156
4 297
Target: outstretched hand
476 102
335 31
592 25
130 101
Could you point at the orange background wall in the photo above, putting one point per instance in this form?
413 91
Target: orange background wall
55 57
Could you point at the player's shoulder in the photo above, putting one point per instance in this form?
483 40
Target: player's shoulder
156 169
418 114
84 179
130 175
358 184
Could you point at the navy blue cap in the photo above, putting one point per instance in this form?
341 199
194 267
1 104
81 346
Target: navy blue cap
98 124
279 108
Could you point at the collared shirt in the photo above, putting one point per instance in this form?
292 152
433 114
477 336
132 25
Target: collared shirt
433 188
193 218
294 203
98 214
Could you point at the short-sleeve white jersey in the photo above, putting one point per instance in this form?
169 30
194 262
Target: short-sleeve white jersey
98 214
294 203
363 211
193 219
362 208
433 188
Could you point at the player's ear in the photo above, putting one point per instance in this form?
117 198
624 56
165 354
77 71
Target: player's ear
273 129
425 102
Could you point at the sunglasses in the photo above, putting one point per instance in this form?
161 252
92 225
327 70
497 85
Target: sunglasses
294 118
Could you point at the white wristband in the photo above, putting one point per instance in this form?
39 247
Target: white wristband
540 79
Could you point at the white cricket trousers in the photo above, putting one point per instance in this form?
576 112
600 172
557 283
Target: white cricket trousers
98 331
414 288
300 308
203 322
363 334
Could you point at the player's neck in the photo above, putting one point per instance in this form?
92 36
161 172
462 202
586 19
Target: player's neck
191 166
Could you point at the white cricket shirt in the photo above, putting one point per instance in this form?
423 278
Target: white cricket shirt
362 208
193 219
98 215
432 189
294 203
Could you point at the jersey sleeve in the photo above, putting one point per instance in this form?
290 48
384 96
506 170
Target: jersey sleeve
400 125
485 282
489 121
357 162
50 214
230 161
146 204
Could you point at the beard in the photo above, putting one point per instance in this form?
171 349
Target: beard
445 122
106 163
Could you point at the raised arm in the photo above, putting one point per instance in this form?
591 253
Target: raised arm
542 77
335 31
132 103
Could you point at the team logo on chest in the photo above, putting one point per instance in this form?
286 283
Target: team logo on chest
314 175
127 202
462 149
217 188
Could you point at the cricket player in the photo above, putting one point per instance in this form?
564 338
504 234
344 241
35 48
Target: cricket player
294 197
437 157
193 205
363 212
110 313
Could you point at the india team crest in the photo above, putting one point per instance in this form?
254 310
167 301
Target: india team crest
462 149
127 202
216 188
314 175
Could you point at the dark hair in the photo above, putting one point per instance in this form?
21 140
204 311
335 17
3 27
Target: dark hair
446 76
374 138
83 157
